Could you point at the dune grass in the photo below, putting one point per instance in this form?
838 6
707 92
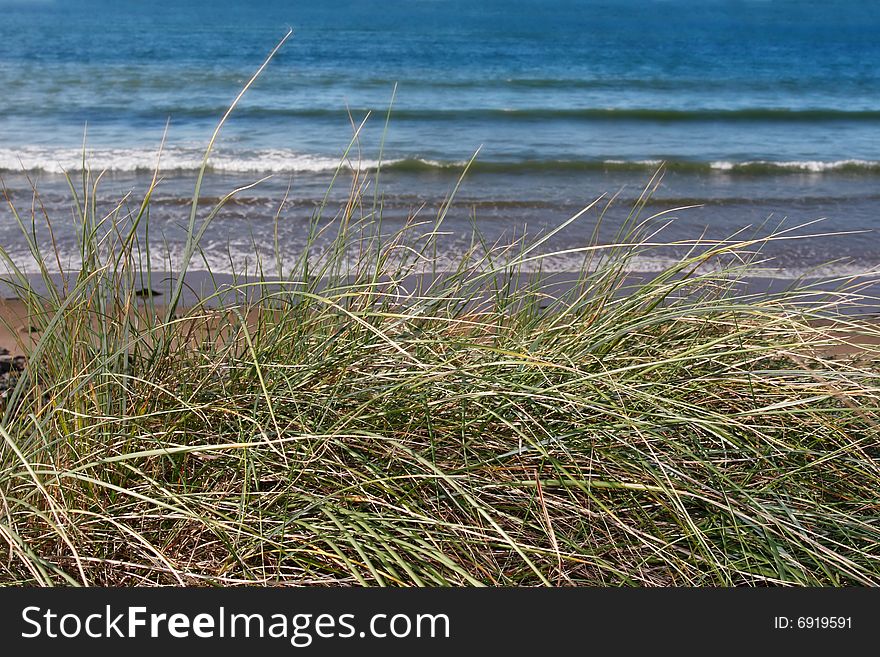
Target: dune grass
369 421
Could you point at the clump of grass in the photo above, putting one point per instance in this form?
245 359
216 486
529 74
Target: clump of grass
363 420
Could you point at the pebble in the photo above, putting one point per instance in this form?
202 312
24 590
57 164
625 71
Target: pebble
147 292
10 367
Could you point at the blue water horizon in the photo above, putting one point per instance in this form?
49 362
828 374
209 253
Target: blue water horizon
758 108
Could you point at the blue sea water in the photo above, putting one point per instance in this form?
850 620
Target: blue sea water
759 108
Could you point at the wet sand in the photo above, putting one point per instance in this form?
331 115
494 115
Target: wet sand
15 336
19 332
210 292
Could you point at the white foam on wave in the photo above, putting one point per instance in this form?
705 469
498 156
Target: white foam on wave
807 166
278 161
171 159
639 163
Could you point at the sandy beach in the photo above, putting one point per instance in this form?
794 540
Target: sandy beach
204 294
16 337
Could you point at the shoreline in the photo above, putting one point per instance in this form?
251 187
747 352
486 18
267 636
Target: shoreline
207 293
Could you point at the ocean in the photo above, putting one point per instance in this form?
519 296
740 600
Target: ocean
762 112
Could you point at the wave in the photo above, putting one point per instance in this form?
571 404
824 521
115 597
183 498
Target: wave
239 261
179 160
798 166
747 114
495 114
55 161
749 167
751 114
